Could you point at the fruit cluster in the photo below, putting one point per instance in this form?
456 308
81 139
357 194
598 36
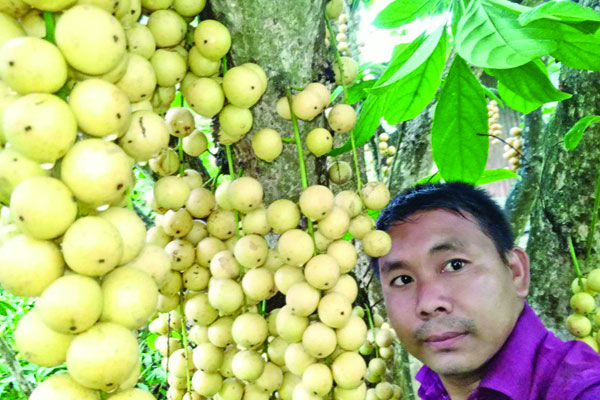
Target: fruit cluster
512 149
494 127
583 303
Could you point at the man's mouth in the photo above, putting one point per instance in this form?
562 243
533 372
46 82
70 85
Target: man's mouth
445 340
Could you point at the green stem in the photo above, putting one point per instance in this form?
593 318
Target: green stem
129 199
287 140
232 173
590 238
575 263
338 58
297 88
300 158
372 326
180 148
224 65
185 340
50 26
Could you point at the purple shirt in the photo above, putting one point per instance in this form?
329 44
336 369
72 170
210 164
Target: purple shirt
533 364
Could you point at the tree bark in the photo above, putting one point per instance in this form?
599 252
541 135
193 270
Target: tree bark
8 355
564 203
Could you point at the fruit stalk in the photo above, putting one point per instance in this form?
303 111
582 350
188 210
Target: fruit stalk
232 173
338 58
129 198
180 148
372 327
590 238
50 24
185 340
575 263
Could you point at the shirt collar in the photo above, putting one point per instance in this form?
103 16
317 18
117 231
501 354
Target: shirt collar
510 370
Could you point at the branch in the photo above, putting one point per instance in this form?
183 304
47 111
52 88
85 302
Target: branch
8 355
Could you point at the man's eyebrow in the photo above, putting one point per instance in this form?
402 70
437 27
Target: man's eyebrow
447 245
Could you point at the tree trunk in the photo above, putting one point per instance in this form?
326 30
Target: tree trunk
564 203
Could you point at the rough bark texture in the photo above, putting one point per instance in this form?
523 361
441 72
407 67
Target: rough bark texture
519 202
8 355
564 203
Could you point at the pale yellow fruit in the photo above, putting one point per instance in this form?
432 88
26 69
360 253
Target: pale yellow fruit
24 257
322 91
34 24
235 121
377 243
290 327
319 141
302 299
130 227
593 280
334 8
177 223
349 68
352 335
221 224
167 303
38 343
249 330
258 284
227 367
165 163
335 310
255 222
319 340
316 202
267 144
9 26
232 389
200 309
195 144
90 39
207 357
202 66
348 370
62 387
205 96
251 251
200 203
297 359
207 248
130 297
167 27
339 172
386 352
103 356
347 286
198 334
583 303
321 242
283 215
226 295
590 341
344 253
290 381
154 261
169 66
322 271
212 39
242 86
375 195
271 378
342 118
147 135
139 80
359 393
286 276
335 224
171 192
92 246
140 40
349 201
283 108
361 225
219 333
133 394
41 126
318 379
247 365
112 76
274 262
163 96
101 108
166 345
306 105
245 194
97 172
14 168
276 351
43 207
196 278
224 265
29 64
172 284
71 304
295 247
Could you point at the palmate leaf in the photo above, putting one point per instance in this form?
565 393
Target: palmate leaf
490 36
459 150
402 12
578 50
531 82
368 120
563 10
409 96
575 134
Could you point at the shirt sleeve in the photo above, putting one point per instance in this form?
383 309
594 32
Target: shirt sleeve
591 393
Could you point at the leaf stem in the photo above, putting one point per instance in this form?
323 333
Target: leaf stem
575 263
592 230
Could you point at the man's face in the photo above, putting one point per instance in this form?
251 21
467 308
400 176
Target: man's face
444 276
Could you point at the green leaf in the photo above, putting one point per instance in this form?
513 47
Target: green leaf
408 97
416 59
578 50
374 214
515 101
495 175
177 101
531 82
490 36
575 134
562 10
459 151
435 178
359 91
402 12
368 121
401 54
336 92
509 5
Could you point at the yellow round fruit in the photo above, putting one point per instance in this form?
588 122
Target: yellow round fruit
322 271
319 141
248 365
283 215
335 310
579 325
348 370
318 379
167 27
130 227
583 303
62 387
297 359
235 121
306 105
339 172
319 340
212 39
302 299
205 96
316 202
350 71
249 330
342 118
245 194
139 80
267 144
295 247
377 243
140 40
242 86
375 195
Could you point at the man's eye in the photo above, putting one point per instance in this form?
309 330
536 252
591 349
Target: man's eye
455 264
401 280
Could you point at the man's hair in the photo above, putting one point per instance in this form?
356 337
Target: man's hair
456 197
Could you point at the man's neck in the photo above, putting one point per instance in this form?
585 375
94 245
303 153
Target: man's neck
460 388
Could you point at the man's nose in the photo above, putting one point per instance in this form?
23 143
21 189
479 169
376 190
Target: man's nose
432 299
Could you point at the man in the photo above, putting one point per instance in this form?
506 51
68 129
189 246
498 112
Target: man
455 289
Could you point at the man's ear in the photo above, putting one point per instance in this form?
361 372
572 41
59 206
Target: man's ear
519 266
